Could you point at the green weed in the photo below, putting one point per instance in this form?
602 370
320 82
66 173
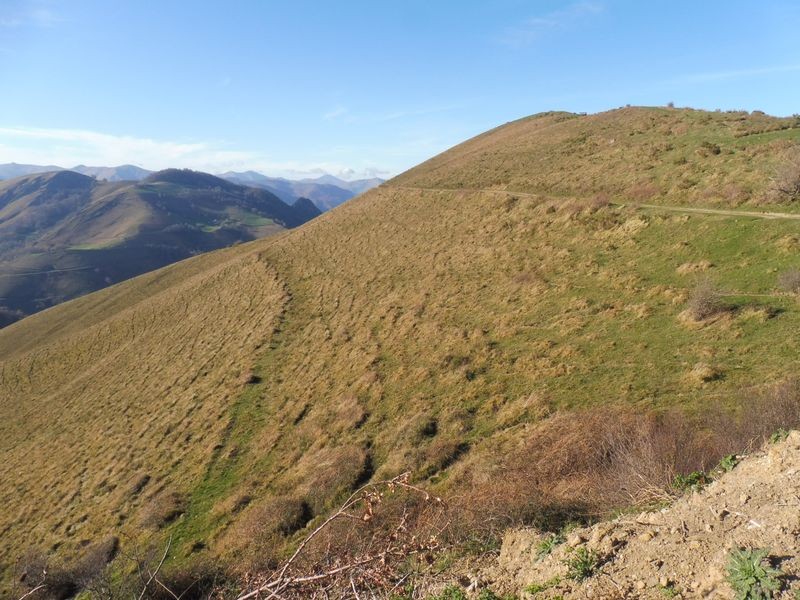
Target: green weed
751 576
582 564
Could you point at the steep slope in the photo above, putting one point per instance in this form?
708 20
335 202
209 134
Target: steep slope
639 155
65 234
419 327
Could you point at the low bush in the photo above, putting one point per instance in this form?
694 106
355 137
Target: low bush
705 300
588 464
785 184
789 281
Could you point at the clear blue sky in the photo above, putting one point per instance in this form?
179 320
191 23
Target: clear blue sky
289 87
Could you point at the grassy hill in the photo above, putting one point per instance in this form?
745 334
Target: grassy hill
65 234
432 325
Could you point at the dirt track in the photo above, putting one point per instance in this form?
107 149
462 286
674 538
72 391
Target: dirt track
670 208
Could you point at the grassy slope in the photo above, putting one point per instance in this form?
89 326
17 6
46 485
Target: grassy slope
473 310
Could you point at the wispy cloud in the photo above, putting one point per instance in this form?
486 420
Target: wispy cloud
732 74
531 30
29 13
337 112
69 147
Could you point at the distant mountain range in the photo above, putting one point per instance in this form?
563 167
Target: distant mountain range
63 234
325 192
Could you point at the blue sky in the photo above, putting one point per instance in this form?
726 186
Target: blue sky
361 88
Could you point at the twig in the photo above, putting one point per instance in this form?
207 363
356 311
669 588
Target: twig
34 590
158 568
280 582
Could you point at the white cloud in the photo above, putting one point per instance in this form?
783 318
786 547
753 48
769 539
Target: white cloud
70 147
532 29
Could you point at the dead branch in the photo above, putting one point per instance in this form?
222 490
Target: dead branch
395 548
158 568
33 591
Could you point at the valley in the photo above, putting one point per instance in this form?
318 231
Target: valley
66 234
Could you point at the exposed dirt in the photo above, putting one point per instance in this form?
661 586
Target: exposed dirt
677 552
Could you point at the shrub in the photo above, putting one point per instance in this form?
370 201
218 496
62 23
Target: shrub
705 300
487 594
751 576
693 481
536 588
709 148
778 436
790 281
728 463
642 192
786 182
162 510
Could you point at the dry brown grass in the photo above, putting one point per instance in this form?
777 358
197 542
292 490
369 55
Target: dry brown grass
587 464
643 154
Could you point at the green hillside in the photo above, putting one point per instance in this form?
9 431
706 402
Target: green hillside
433 325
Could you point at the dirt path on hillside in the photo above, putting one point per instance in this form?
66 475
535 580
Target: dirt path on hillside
670 208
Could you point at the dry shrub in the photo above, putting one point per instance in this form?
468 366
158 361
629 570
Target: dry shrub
260 535
440 454
162 509
705 300
200 580
334 471
367 546
587 464
785 184
59 580
790 281
763 411
598 201
642 192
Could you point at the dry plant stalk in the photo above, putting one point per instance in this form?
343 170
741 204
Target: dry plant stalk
372 568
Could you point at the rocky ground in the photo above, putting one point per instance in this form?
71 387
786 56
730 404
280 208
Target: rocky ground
678 552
